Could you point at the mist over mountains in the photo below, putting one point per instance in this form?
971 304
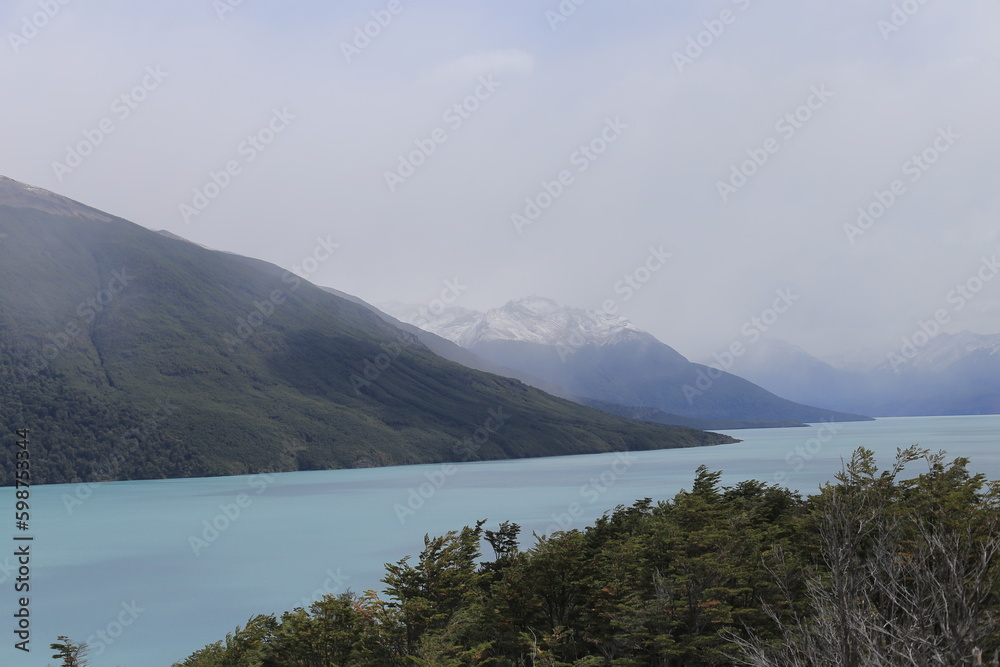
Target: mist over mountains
142 355
951 374
605 360
133 355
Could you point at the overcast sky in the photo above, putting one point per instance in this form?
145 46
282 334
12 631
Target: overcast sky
867 90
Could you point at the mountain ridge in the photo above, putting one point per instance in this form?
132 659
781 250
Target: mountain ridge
952 374
261 369
20 195
603 358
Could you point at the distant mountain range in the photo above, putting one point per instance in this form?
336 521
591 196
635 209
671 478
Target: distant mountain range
953 374
133 355
607 362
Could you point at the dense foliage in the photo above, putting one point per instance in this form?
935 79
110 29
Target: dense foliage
130 355
873 570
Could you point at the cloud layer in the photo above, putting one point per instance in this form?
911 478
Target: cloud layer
750 135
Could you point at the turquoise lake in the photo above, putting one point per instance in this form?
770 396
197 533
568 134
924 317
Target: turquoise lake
148 572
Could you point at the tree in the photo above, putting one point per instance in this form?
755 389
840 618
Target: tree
875 570
907 571
445 582
72 655
504 543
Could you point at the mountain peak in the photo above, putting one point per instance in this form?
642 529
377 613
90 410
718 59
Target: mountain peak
533 319
537 319
20 195
535 305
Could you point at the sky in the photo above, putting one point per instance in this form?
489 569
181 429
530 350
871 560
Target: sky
836 162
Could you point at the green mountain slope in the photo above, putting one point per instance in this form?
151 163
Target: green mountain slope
131 355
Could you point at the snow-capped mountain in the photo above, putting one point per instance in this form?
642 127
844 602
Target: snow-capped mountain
529 320
602 357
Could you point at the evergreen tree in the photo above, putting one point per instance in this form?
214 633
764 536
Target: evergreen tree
875 570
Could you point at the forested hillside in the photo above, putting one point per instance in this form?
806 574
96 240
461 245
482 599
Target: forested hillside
130 355
877 569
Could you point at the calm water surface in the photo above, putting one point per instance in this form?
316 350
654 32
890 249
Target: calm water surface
162 568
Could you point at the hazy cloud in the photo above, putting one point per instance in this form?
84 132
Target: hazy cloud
471 66
750 87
